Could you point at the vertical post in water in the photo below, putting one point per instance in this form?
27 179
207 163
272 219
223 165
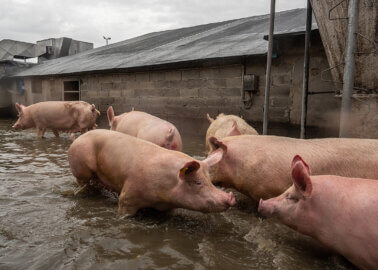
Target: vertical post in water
349 69
269 67
306 68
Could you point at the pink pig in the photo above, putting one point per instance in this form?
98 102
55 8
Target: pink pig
144 174
340 212
147 127
225 126
71 117
259 166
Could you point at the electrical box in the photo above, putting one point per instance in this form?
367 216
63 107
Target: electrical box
250 83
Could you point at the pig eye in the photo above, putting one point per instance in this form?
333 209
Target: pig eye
198 182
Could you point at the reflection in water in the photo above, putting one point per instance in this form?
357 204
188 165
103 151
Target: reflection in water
44 226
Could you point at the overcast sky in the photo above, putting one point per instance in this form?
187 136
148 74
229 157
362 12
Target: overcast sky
90 20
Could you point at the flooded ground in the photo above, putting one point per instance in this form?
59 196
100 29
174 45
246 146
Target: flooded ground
44 226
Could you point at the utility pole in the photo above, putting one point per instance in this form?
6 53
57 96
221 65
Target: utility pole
349 69
107 39
306 67
269 67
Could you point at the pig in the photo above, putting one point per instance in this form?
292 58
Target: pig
225 126
67 116
339 212
147 127
144 174
259 166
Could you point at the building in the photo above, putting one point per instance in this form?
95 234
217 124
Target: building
185 73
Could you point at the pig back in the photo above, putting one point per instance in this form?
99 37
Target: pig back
260 166
338 156
59 115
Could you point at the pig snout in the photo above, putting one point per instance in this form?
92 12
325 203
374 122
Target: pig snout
16 126
226 201
266 208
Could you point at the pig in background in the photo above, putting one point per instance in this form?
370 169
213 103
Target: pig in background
70 117
259 166
147 127
340 212
227 125
144 174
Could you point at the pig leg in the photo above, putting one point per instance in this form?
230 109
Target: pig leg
56 133
40 132
125 205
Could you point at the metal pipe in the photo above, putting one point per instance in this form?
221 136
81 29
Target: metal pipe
306 67
349 69
269 67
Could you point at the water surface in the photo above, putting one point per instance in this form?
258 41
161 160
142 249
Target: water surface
44 226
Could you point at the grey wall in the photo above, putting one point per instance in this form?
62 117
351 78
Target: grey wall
191 93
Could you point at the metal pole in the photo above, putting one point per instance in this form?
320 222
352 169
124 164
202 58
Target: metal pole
269 67
349 69
306 68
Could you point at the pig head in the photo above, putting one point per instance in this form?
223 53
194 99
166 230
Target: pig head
339 212
25 119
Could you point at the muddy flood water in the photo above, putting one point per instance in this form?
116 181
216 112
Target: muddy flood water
44 226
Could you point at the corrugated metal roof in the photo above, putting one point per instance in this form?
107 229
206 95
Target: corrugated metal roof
223 39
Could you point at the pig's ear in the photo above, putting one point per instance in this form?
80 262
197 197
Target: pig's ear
110 113
300 173
19 107
209 118
189 168
299 159
214 157
171 133
215 144
235 130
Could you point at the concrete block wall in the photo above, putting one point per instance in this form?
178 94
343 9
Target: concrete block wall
191 93
183 93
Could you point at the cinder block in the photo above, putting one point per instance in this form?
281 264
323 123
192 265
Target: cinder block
146 84
128 93
193 83
107 100
156 93
92 93
190 74
157 76
174 75
214 83
231 71
189 92
103 93
115 93
161 84
209 73
126 77
106 86
132 84
142 77
234 82
116 77
118 85
208 93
